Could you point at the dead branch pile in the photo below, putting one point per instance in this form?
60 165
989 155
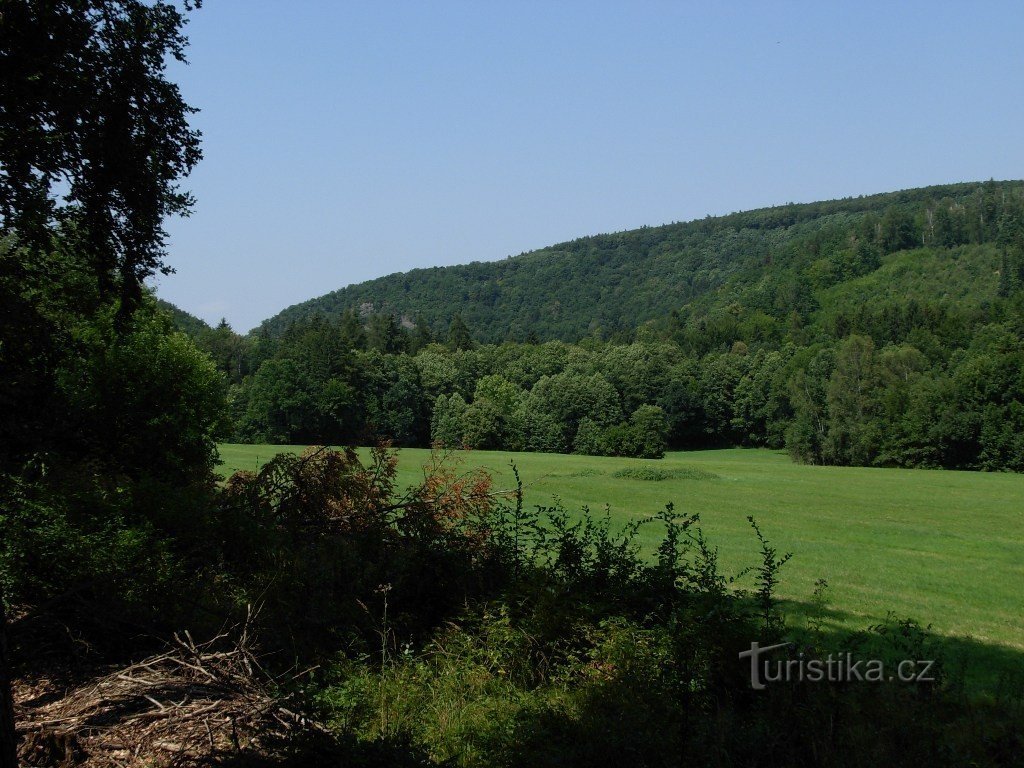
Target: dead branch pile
195 704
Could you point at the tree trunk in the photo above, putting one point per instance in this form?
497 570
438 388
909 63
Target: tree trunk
8 738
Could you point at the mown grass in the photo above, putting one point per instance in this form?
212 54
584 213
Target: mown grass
944 548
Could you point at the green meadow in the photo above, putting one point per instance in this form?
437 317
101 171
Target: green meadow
941 547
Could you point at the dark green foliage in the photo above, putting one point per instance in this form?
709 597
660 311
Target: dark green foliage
894 389
846 332
145 402
392 398
109 414
108 446
183 321
84 104
458 334
482 425
765 262
806 434
591 440
852 432
568 398
228 350
644 435
306 389
540 431
112 512
385 335
422 336
351 330
446 426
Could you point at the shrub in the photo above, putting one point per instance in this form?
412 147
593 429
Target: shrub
590 439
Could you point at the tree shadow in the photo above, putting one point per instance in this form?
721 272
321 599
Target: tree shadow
628 721
321 749
970 713
972 667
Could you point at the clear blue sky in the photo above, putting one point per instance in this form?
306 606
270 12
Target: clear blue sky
347 140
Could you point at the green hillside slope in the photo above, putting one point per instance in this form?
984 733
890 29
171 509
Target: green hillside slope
772 258
183 321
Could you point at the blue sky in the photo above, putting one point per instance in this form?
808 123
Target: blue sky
344 141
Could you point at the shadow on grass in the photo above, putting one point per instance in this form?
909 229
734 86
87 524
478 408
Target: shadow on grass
969 666
335 750
630 721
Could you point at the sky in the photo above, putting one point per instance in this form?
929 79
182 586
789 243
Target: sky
344 141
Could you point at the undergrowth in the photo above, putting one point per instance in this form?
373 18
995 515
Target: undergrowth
580 652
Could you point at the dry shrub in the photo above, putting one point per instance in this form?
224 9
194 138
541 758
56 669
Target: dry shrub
325 490
315 536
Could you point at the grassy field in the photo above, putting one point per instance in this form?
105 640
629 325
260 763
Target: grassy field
944 548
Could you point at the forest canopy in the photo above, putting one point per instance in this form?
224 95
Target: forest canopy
883 330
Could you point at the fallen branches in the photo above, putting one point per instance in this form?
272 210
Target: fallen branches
194 704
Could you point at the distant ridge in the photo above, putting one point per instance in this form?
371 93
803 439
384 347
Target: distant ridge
184 321
612 283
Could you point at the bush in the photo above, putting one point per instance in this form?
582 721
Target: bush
116 521
341 535
649 432
590 440
645 435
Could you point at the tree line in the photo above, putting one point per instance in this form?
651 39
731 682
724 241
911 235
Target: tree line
904 383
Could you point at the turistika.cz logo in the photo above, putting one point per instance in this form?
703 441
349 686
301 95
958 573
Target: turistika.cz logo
834 668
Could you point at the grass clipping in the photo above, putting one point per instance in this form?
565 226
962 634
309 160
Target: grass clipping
195 704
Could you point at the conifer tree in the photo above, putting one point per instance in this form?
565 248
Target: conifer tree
458 334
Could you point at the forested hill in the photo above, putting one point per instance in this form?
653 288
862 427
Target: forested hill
772 260
183 321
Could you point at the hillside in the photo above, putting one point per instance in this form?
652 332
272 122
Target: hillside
775 259
183 321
